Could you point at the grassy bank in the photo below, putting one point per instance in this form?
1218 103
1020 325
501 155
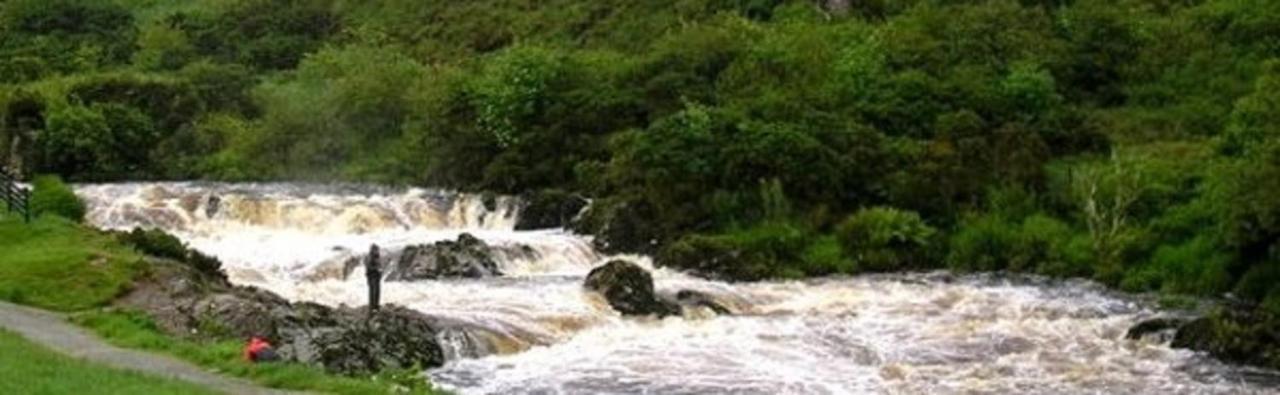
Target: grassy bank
56 264
26 368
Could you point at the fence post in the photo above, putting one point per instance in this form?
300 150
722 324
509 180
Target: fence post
26 205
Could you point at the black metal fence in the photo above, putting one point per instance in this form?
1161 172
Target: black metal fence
16 198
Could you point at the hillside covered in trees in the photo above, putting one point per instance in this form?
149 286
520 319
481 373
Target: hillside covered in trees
1135 142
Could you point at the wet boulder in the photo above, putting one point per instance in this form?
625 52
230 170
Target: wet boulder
697 299
467 257
629 289
548 210
1162 328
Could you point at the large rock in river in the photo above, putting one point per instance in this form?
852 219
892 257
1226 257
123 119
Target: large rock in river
468 257
629 289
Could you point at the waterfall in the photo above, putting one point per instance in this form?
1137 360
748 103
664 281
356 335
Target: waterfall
534 330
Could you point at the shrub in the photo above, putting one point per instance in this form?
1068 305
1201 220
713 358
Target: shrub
981 243
884 238
824 256
771 249
52 196
1039 243
1261 282
157 243
1194 267
1043 244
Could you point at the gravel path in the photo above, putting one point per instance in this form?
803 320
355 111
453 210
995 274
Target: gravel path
53 331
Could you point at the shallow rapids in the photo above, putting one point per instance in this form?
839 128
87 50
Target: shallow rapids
535 330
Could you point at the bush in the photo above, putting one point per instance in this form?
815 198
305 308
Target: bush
52 196
1194 267
885 238
824 256
1039 243
767 250
1047 245
1261 282
157 243
981 243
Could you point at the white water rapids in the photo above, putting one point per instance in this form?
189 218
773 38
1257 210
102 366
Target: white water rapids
910 333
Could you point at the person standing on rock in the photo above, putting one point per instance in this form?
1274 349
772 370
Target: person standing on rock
373 273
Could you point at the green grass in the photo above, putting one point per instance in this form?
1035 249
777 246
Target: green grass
56 264
135 330
26 368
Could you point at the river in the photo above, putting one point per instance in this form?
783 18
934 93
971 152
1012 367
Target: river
926 333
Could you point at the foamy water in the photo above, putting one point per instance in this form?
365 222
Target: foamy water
541 333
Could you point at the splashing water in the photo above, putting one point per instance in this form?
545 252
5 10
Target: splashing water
536 331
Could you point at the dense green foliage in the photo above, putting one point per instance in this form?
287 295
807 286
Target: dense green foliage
1136 142
26 368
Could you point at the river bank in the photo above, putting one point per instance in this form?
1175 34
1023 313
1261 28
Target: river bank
56 264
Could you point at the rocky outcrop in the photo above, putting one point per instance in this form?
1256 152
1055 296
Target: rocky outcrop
344 340
549 209
392 337
629 289
468 257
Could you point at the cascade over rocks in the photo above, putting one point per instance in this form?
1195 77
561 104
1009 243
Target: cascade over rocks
468 257
629 289
549 209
